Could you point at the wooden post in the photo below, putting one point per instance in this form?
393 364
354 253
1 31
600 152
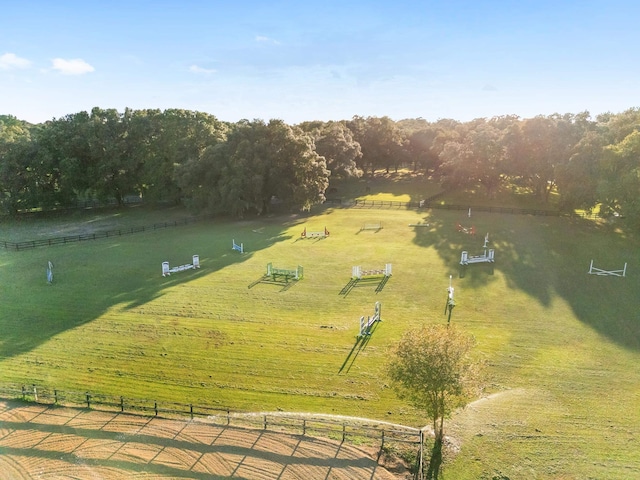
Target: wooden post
304 426
191 410
155 407
122 404
55 396
344 431
88 400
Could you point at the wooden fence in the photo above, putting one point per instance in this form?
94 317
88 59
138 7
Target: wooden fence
438 206
355 431
47 242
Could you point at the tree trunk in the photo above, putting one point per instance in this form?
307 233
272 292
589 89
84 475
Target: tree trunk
435 462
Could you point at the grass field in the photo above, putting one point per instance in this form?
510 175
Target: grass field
562 347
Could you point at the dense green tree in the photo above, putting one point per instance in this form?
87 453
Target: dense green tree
335 142
432 367
620 182
476 158
174 137
380 141
259 164
579 177
422 149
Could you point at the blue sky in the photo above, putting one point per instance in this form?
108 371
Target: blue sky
330 60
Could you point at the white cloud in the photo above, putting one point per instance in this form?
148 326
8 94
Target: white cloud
263 39
198 69
9 61
74 66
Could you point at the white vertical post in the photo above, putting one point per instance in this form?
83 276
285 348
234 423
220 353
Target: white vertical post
196 261
624 270
591 267
387 270
165 269
355 272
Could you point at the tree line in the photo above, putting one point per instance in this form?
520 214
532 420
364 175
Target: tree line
191 157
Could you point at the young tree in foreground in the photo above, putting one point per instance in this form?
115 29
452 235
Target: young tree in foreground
432 368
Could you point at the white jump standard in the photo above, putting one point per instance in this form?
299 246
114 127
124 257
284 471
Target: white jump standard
358 272
166 270
49 272
448 307
366 325
487 257
320 234
236 247
615 273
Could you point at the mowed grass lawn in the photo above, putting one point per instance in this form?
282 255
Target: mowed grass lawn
562 348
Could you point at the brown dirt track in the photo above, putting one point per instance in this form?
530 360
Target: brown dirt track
45 442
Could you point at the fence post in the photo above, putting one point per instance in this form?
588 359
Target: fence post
382 441
191 410
24 393
55 396
265 422
88 400
228 417
35 393
344 431
155 407
420 472
304 426
122 404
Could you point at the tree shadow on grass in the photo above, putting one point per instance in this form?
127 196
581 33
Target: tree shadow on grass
547 257
92 277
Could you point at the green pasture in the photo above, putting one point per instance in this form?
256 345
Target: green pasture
562 348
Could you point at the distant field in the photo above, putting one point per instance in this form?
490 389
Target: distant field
562 347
